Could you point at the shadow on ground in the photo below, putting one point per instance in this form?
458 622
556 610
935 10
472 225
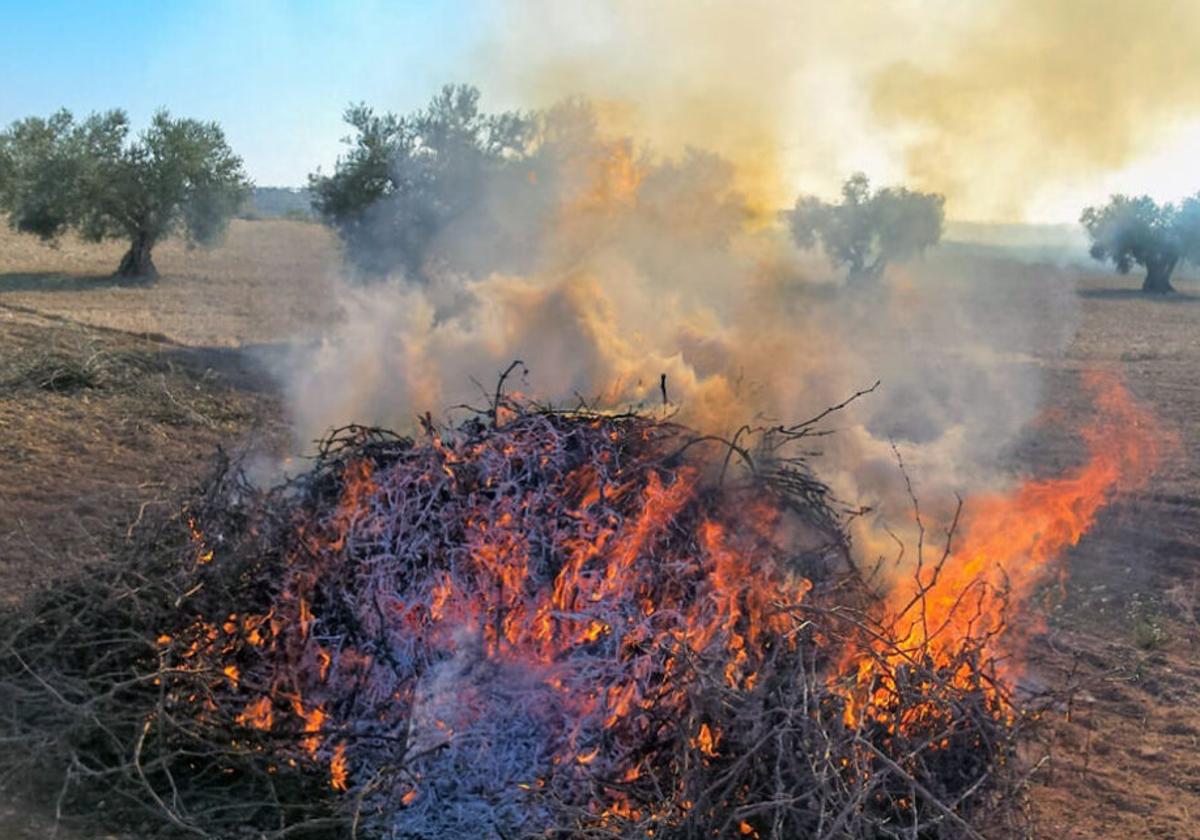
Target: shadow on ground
47 281
252 367
1138 294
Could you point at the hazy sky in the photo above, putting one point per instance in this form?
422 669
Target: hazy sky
1012 108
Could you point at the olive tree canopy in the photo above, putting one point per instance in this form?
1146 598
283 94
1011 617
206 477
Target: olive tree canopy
178 176
867 230
1137 230
408 182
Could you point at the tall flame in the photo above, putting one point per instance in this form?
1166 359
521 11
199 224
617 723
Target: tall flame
1011 544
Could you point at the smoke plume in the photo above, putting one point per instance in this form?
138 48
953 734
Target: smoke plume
1042 92
626 254
643 265
770 85
999 104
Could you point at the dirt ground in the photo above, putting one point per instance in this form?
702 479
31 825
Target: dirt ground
268 282
1124 758
114 397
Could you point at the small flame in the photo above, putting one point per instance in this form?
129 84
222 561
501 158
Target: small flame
338 773
314 720
204 554
706 740
258 714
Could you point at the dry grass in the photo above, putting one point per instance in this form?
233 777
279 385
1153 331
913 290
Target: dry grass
96 426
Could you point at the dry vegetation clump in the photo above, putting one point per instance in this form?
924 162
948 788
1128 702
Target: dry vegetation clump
99 427
60 372
534 623
149 379
75 361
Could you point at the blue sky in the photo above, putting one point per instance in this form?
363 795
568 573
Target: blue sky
276 75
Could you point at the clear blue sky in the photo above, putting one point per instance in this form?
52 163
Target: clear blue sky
277 75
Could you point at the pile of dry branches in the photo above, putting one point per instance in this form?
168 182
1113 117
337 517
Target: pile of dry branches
534 623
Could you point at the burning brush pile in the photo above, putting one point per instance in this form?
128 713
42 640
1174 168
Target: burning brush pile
536 623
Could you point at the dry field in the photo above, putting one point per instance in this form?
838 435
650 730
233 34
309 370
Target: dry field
114 397
268 282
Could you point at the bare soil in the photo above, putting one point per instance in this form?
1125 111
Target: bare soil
1124 755
114 397
269 281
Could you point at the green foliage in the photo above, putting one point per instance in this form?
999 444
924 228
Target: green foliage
1147 624
452 190
278 203
1137 230
867 229
40 163
177 176
406 179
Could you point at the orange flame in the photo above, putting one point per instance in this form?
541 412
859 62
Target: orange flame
204 554
614 177
258 714
1009 546
706 741
338 773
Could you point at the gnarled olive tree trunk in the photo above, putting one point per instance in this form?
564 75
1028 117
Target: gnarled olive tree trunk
865 275
1158 276
137 263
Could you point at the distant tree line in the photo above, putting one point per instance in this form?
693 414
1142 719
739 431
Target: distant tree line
411 187
278 203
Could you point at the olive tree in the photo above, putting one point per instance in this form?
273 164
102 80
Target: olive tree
409 183
1137 230
177 176
868 229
